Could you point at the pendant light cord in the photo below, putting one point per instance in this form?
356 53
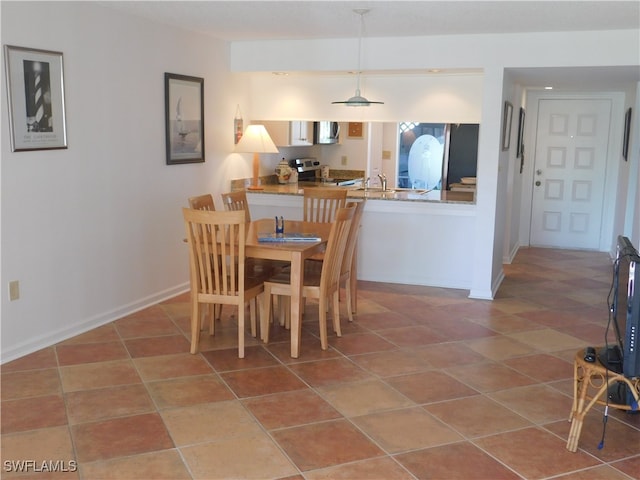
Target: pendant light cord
362 14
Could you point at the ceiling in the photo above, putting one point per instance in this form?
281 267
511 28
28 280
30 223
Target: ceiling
240 20
267 20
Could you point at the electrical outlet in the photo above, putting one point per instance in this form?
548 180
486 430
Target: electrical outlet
14 290
343 159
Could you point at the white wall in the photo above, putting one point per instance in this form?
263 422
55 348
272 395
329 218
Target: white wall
95 231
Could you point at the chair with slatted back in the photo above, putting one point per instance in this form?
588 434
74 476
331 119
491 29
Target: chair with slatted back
321 204
321 279
217 268
236 200
202 202
205 202
349 259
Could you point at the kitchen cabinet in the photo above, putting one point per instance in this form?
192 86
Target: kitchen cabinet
288 134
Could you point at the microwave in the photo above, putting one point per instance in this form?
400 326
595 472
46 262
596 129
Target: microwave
326 133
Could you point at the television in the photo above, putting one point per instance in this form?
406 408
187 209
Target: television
624 304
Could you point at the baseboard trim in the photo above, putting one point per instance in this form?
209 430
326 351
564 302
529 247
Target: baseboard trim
51 338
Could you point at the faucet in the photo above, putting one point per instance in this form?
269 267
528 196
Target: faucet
383 181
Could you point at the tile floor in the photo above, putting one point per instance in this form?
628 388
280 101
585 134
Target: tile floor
425 384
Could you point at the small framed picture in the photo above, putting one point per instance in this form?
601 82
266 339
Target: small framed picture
506 126
627 133
184 118
35 88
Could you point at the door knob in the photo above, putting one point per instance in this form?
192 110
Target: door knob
538 183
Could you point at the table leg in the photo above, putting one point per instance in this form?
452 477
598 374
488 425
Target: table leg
297 277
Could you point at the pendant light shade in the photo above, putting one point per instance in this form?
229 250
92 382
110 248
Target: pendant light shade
358 100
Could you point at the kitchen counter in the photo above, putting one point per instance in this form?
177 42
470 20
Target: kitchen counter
399 194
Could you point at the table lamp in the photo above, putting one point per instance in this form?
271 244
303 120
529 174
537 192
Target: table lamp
256 140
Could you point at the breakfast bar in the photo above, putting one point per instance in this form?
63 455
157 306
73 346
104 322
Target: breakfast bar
407 236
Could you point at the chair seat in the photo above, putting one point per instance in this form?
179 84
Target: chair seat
312 275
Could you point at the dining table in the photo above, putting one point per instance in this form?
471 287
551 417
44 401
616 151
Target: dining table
295 252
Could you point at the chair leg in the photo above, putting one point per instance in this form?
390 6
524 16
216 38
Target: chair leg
349 299
322 314
212 321
252 310
195 325
336 313
241 314
265 317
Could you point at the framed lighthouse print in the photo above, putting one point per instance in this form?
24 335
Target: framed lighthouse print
35 94
184 118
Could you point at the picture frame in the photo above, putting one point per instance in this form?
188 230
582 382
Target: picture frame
35 94
184 118
506 126
520 147
627 133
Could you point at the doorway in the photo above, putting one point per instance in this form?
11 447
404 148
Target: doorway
571 148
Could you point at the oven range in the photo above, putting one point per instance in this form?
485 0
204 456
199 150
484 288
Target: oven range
309 172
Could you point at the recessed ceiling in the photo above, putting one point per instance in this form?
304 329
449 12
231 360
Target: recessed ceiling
261 20
241 20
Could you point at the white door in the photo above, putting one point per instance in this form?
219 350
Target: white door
572 138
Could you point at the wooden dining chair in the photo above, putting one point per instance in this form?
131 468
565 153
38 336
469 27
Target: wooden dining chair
202 202
205 202
236 200
349 259
321 204
217 268
321 279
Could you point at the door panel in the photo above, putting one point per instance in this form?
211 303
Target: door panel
572 139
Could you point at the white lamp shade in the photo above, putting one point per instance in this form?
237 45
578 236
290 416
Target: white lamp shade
256 139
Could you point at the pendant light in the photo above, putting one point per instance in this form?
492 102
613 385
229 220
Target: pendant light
358 100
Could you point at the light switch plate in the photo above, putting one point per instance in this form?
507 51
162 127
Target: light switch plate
14 290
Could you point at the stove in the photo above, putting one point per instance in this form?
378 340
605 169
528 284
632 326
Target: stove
308 168
309 172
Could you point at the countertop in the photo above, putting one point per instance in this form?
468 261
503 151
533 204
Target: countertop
439 196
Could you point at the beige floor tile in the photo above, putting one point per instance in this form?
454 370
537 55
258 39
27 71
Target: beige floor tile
395 362
184 391
171 366
93 405
98 375
253 456
47 444
406 429
548 340
477 416
362 398
208 422
538 403
163 465
500 348
373 469
30 383
489 377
